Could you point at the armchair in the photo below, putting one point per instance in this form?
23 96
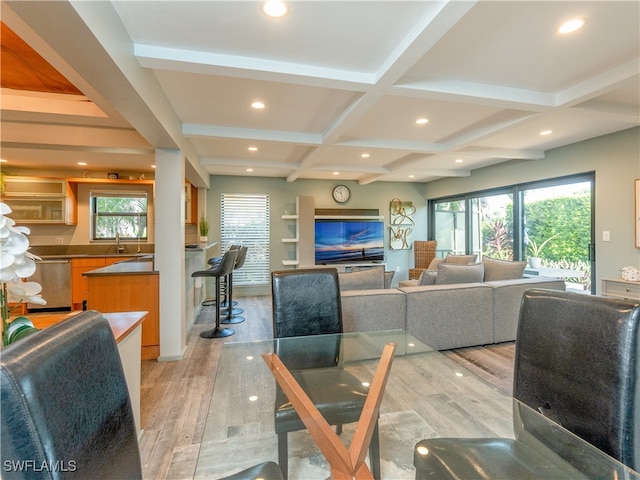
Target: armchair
423 252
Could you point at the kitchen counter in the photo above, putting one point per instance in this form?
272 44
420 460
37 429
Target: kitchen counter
196 247
127 267
121 323
90 255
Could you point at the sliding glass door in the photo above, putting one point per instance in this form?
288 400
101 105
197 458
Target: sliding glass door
548 223
492 224
450 227
557 231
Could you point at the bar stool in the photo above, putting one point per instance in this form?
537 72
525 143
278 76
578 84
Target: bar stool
233 314
214 261
222 269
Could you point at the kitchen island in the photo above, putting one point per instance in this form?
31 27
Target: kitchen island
129 286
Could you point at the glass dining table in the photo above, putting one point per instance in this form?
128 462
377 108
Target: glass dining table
427 395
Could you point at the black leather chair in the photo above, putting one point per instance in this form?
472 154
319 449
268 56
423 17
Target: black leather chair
306 302
577 362
262 471
218 271
65 405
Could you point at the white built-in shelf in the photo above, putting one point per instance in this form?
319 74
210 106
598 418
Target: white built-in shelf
349 217
290 262
290 217
289 240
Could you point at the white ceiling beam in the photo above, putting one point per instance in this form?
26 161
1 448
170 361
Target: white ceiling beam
478 94
617 113
212 131
209 63
421 147
347 168
600 84
235 162
78 148
506 153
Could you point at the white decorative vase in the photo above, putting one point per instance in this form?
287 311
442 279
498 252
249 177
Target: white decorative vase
535 262
204 240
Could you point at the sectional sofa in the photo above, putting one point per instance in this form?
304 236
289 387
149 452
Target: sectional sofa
444 316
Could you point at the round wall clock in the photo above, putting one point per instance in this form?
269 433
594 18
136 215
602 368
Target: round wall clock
341 193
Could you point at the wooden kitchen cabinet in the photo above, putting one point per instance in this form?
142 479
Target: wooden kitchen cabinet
40 200
79 283
130 288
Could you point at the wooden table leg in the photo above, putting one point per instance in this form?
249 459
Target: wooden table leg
345 464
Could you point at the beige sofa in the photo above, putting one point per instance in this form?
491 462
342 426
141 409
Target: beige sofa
444 316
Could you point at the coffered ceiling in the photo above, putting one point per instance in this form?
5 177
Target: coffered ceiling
343 84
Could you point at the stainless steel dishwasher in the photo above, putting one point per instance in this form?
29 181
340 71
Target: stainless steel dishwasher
55 278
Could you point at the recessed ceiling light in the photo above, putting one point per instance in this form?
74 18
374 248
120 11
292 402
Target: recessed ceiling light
82 163
249 169
257 105
546 132
2 160
421 121
365 155
275 8
153 166
253 149
571 26
336 173
412 176
459 160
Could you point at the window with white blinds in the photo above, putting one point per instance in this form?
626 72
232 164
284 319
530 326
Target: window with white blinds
245 221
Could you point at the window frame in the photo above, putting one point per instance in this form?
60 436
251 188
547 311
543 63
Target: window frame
96 194
239 208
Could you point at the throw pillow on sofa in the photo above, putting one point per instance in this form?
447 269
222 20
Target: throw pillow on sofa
460 259
453 273
428 277
388 275
434 264
370 278
496 269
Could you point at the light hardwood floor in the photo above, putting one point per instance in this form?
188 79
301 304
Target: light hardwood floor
175 395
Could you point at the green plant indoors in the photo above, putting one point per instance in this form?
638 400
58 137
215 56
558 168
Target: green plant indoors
204 226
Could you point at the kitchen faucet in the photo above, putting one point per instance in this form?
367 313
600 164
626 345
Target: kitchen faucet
119 248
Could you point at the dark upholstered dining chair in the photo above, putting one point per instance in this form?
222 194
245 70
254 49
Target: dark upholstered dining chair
261 471
66 411
307 302
577 362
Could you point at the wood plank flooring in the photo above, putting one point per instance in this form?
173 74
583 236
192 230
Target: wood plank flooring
175 395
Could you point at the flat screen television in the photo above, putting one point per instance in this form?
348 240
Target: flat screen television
343 241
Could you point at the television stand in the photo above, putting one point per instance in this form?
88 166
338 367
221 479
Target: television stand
346 267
